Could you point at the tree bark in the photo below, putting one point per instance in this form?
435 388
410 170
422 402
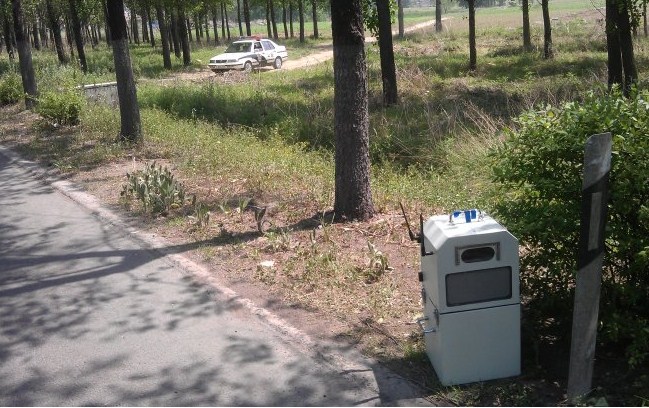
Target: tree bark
472 41
400 18
273 20
239 18
388 70
151 35
300 6
614 62
353 197
290 19
246 16
269 30
216 28
78 36
438 16
284 20
626 49
527 40
184 38
619 43
175 40
55 26
37 41
548 52
131 128
164 36
24 56
314 12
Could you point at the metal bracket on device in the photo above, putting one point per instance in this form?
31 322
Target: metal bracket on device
421 324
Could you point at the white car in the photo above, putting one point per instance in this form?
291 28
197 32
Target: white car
246 54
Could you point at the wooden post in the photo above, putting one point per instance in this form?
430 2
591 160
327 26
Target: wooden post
597 165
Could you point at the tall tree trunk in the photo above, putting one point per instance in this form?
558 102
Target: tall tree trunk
188 25
227 20
207 28
246 16
134 27
223 22
273 20
644 18
164 35
438 16
8 36
145 26
527 39
24 56
37 42
78 36
129 110
197 29
626 49
388 70
239 18
353 197
104 8
548 52
216 28
314 12
400 18
151 35
268 28
614 61
300 6
55 26
472 41
284 20
175 38
184 37
290 18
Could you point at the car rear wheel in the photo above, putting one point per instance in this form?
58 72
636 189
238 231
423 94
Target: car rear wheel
278 63
247 67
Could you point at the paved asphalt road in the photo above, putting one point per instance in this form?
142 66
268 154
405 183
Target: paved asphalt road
90 316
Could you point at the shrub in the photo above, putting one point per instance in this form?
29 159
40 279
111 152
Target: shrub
156 188
539 170
11 89
62 108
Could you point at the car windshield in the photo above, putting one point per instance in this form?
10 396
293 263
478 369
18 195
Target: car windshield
239 47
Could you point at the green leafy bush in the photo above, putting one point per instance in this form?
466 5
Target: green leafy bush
11 89
539 169
156 188
61 107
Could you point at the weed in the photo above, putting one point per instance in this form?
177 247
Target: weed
201 213
156 188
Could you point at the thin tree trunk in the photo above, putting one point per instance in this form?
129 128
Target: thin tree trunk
197 29
246 16
78 36
527 40
314 13
284 20
175 38
548 52
290 18
438 16
216 27
7 31
24 56
184 37
105 11
300 5
222 22
272 19
145 26
55 26
400 18
164 36
227 20
151 35
353 197
472 40
207 28
37 42
626 48
614 61
129 110
269 30
188 26
388 70
239 18
134 27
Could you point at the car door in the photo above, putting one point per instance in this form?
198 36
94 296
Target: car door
269 51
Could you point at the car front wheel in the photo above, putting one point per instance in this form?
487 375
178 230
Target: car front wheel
278 63
247 67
